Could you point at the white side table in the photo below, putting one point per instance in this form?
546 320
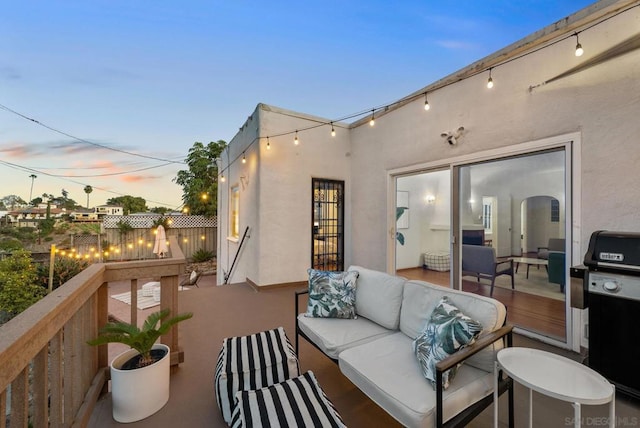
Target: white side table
554 376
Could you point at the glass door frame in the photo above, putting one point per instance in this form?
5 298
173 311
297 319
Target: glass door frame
571 143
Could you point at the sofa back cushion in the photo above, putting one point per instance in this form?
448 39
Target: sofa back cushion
379 296
420 298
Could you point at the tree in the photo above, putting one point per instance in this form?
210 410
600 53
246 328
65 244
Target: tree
11 201
18 284
160 210
64 268
88 189
130 204
199 183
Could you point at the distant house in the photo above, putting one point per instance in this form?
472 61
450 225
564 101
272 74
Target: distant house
103 210
84 215
96 214
31 217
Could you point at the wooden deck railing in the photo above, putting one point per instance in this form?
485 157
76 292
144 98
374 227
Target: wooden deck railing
52 376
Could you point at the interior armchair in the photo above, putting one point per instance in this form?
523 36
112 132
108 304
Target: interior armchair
481 262
555 244
556 268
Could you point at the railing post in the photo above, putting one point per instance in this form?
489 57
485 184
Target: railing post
133 317
169 300
102 317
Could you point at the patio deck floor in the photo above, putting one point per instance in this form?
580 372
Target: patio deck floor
236 310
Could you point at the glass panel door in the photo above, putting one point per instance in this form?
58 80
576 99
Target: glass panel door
327 229
516 207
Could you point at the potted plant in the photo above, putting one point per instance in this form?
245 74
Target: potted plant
139 376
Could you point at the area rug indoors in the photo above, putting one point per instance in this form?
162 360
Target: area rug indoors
144 302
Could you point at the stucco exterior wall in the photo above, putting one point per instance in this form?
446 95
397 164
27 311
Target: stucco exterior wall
601 103
244 176
276 192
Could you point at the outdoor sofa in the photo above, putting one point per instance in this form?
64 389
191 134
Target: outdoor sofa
375 350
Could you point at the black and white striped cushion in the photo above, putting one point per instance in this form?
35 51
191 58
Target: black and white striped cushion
294 403
252 362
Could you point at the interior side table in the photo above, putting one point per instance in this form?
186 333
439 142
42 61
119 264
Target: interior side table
554 376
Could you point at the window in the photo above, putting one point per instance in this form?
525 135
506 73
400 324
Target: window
486 215
555 211
234 215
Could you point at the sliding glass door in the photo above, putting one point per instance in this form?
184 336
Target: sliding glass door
516 207
423 212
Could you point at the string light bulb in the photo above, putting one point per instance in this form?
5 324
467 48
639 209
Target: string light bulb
373 117
222 179
244 158
333 130
490 81
579 50
268 144
296 141
426 102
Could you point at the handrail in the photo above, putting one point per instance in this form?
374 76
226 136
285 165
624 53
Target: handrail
48 341
228 274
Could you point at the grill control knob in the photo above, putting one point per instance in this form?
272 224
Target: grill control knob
610 286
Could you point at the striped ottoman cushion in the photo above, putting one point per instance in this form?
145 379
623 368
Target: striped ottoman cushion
252 362
297 402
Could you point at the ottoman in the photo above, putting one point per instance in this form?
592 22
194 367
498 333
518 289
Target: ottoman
297 402
437 260
252 362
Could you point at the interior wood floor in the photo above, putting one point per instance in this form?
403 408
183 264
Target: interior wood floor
534 313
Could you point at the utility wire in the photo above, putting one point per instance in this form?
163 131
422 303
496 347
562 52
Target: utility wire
65 178
82 140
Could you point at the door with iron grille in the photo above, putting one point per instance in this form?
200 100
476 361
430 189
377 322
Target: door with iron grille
327 227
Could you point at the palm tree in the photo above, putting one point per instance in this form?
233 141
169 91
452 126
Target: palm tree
32 177
88 189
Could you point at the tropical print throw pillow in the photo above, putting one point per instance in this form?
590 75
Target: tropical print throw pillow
447 331
332 294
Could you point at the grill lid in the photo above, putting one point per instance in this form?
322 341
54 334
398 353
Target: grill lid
614 252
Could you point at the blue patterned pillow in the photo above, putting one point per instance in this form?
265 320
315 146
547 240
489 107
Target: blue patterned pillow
332 294
447 331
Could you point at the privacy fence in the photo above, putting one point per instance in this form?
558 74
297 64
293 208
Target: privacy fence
136 241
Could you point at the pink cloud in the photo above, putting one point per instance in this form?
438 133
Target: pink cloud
136 178
18 151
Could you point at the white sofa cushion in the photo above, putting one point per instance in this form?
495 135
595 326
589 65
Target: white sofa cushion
420 298
394 381
334 335
379 296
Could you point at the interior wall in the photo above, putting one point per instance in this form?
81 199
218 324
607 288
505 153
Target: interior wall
429 212
539 225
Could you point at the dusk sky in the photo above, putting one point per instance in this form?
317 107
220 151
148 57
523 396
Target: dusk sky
121 90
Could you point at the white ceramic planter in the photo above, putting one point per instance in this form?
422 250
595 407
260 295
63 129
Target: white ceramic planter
137 394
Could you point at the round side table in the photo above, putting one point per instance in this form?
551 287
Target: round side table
554 376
